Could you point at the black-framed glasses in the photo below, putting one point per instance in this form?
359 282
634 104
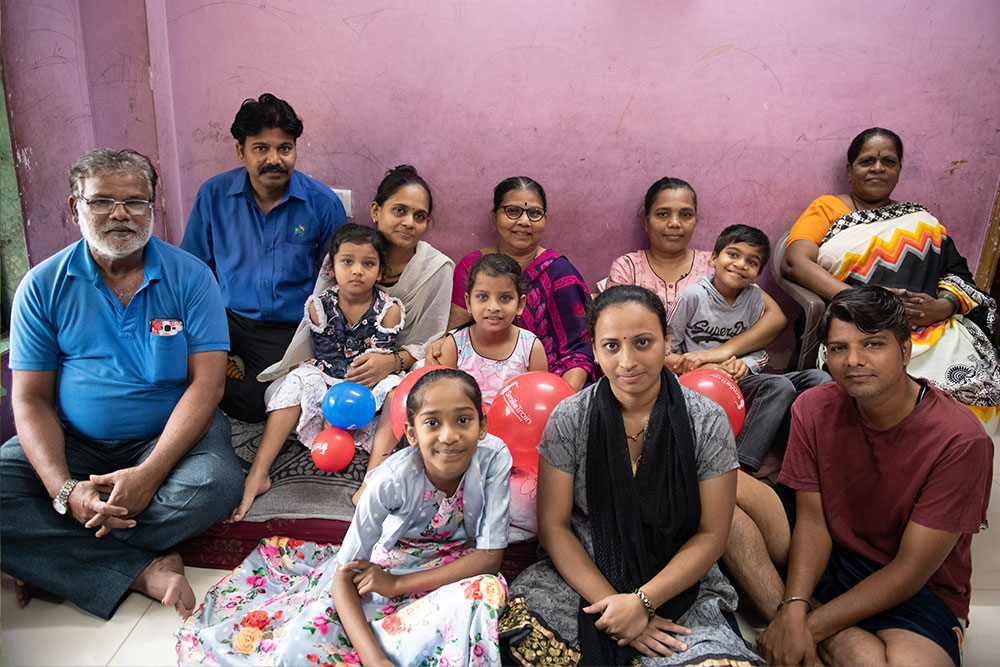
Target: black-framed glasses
103 206
535 213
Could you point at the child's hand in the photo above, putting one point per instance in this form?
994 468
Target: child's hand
371 368
689 361
717 367
736 368
433 351
369 577
672 361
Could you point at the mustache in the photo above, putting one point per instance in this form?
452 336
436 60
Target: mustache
276 168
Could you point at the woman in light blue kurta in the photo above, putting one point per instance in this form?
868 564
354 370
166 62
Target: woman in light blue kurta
277 609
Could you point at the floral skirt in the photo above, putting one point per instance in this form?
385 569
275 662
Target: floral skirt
276 609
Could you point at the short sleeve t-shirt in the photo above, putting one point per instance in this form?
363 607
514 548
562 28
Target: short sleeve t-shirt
934 468
119 370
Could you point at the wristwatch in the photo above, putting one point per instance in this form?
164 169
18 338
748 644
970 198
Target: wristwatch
61 502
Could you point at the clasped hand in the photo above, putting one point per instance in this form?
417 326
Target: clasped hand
370 578
624 618
371 368
788 641
129 491
923 309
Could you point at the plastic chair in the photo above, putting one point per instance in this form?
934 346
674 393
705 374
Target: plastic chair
812 309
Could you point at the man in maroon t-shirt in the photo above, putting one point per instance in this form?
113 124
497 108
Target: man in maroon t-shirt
891 478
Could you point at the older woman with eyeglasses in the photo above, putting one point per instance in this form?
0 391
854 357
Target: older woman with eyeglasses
557 296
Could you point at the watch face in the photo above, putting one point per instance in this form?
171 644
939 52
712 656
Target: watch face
60 507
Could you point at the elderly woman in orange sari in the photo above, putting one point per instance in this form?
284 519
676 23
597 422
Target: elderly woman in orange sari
866 237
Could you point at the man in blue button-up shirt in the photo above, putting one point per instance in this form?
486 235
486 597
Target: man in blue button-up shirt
264 229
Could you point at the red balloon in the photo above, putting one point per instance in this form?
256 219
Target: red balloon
520 411
397 411
719 387
333 449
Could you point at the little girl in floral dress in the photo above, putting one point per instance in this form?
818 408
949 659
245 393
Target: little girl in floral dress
350 318
414 582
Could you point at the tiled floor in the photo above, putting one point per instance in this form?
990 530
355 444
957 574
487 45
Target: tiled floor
140 633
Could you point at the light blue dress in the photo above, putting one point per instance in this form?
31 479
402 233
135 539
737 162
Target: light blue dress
276 608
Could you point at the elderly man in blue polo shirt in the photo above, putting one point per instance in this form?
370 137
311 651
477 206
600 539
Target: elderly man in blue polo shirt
264 229
118 350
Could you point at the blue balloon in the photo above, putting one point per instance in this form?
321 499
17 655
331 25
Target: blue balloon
349 405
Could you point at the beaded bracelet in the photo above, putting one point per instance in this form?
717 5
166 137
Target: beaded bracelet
400 357
645 602
794 598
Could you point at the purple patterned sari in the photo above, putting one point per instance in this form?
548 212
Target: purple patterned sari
557 301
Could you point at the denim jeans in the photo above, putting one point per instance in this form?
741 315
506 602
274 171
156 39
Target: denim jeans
768 399
56 553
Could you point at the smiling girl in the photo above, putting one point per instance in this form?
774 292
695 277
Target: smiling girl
492 349
415 580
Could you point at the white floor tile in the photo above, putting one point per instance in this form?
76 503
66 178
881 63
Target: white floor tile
982 645
986 548
45 633
151 643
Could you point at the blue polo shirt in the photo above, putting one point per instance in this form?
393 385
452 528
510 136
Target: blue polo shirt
115 378
266 264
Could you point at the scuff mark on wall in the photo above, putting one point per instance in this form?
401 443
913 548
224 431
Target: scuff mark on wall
716 51
24 157
955 164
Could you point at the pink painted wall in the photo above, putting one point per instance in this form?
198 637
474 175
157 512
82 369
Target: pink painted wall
76 77
753 103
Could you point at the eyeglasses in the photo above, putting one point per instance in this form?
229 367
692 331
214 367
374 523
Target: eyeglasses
104 206
535 213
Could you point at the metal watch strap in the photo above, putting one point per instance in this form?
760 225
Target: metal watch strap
61 501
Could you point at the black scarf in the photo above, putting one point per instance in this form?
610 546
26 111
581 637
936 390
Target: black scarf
638 523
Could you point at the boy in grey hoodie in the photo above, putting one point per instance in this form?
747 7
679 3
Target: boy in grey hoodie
725 304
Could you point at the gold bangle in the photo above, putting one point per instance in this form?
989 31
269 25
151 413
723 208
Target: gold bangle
794 598
645 602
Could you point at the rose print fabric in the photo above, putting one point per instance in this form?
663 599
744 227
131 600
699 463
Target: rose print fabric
276 608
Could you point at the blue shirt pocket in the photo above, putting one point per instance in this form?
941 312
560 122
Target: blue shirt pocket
306 234
167 362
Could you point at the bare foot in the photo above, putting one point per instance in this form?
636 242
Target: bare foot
164 580
252 488
24 592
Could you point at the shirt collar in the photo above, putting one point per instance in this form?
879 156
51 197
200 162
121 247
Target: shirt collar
82 263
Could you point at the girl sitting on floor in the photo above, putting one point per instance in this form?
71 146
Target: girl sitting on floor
347 319
414 581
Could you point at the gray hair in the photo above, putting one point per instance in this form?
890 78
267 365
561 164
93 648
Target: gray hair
107 160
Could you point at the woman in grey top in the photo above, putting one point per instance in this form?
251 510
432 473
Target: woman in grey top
636 487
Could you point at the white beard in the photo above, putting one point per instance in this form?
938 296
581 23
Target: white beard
112 250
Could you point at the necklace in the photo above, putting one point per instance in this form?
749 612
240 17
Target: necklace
680 277
642 431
